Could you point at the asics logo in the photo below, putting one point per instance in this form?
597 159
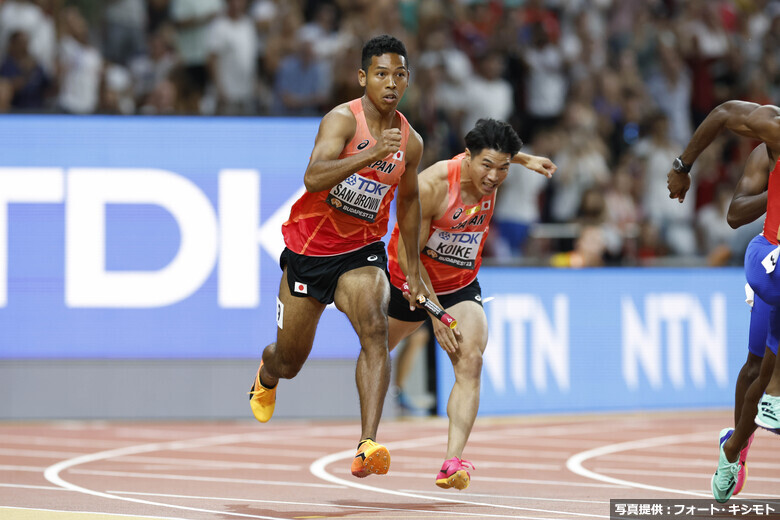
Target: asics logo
372 258
363 144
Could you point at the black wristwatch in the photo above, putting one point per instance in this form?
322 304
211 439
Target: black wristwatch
680 167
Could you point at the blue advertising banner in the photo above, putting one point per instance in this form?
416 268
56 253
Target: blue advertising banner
148 237
608 339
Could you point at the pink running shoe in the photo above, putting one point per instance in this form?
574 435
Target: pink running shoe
742 475
453 474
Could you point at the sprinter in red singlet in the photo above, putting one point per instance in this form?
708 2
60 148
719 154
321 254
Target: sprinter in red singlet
364 150
457 197
760 122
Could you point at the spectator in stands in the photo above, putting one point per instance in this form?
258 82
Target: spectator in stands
151 68
29 83
192 19
80 66
232 60
675 221
303 83
124 30
36 21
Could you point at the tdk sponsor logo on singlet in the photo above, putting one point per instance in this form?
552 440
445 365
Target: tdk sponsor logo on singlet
455 249
358 196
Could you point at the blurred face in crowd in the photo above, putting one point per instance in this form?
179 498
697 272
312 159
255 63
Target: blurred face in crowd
236 8
385 80
487 169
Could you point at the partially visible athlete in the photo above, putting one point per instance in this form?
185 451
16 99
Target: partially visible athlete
748 204
457 197
364 150
760 122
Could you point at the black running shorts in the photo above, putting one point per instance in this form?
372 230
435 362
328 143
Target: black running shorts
318 276
399 306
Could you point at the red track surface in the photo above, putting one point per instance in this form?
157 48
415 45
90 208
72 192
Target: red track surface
531 468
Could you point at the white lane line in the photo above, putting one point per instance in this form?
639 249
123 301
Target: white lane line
59 442
318 469
510 480
52 473
211 464
29 486
196 478
260 452
676 474
41 454
679 461
428 462
574 463
514 497
90 513
315 504
9 467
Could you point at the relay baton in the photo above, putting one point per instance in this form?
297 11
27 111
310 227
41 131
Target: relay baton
434 309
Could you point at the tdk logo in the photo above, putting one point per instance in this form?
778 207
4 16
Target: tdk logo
229 238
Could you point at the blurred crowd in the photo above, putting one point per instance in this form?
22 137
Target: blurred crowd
611 90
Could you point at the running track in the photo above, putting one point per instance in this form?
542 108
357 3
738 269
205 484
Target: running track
527 468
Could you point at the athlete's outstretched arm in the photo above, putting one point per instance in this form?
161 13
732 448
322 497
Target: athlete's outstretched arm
433 201
337 128
537 163
408 216
741 117
750 195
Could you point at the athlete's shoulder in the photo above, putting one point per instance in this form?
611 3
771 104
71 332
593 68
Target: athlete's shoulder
415 140
434 183
340 120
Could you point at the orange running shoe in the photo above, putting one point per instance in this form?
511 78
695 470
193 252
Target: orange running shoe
453 474
371 458
262 399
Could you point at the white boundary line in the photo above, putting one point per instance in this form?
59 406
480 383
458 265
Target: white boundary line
574 463
91 513
317 468
319 504
52 473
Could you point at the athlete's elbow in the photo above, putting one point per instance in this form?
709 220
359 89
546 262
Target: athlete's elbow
736 218
311 185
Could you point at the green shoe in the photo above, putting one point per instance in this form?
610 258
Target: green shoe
768 416
725 478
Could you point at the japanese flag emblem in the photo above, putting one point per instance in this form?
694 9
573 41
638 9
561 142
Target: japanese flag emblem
301 288
486 205
399 155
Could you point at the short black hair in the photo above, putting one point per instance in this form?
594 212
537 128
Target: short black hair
491 134
379 45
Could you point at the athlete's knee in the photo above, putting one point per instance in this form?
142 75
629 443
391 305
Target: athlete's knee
372 330
288 369
752 370
469 366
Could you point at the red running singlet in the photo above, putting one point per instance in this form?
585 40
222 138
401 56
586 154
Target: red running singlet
355 212
772 221
453 253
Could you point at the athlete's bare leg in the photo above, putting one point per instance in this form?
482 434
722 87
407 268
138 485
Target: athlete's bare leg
399 330
363 294
300 316
746 424
747 375
773 388
463 404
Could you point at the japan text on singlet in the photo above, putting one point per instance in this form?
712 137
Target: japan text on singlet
354 213
772 221
453 253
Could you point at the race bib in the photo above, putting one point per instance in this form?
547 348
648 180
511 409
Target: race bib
770 261
455 249
358 196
